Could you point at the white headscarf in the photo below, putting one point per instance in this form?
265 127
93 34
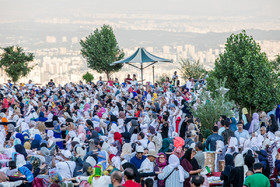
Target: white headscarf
238 162
24 126
174 162
116 162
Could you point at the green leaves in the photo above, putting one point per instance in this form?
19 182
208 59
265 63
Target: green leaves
191 69
15 62
210 109
88 77
100 49
251 78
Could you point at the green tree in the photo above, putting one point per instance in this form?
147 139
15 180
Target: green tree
276 64
191 69
15 62
249 74
209 109
100 49
88 77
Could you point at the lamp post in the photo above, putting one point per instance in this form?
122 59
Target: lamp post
153 74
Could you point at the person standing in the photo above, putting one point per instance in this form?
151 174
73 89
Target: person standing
174 174
116 179
128 178
51 84
257 179
212 139
240 132
199 156
227 133
139 158
175 78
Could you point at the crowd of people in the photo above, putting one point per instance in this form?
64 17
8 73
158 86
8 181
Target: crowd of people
120 133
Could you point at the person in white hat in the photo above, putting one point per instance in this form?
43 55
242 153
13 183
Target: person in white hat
65 167
138 159
148 164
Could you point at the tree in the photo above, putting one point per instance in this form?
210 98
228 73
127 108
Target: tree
210 108
88 77
15 62
191 69
100 49
276 64
249 75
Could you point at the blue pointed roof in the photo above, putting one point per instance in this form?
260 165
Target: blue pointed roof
142 56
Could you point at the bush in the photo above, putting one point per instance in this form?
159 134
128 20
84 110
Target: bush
88 77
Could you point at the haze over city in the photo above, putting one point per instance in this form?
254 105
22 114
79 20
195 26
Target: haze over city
171 29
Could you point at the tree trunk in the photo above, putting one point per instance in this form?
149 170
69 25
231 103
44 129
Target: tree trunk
108 75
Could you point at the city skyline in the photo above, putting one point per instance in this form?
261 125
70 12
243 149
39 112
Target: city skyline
198 34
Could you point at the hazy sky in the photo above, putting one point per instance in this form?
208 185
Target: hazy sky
31 9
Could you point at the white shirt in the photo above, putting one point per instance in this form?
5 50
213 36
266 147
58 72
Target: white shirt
189 84
103 181
146 167
66 169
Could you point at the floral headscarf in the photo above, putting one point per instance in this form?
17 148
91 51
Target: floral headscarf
56 126
55 176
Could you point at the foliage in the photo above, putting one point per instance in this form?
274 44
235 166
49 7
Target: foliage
161 79
276 64
191 69
209 109
249 75
88 77
15 62
100 49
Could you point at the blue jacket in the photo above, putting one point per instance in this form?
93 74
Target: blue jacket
211 140
136 161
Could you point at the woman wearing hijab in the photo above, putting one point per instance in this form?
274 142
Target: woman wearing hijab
173 174
238 173
118 142
57 134
272 124
262 156
36 142
226 173
255 124
190 164
165 147
233 124
161 162
81 133
126 152
249 160
20 136
20 149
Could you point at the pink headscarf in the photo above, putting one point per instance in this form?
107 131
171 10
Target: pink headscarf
87 106
82 130
159 164
102 110
99 114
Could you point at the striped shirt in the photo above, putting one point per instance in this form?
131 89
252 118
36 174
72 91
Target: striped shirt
173 180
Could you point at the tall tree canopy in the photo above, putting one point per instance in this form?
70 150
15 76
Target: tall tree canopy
100 49
249 75
15 62
191 69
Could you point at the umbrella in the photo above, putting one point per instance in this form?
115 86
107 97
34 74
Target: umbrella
141 56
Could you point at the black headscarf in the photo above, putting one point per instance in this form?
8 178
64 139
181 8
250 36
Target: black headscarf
249 161
20 149
193 161
228 164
